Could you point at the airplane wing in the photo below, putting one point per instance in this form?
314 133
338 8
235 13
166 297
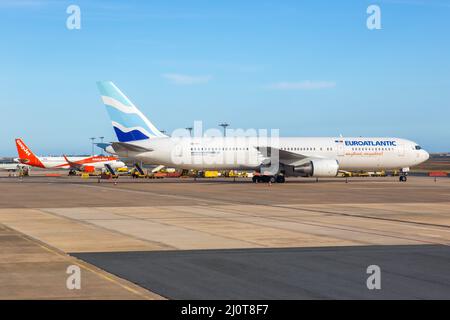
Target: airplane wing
125 147
287 157
73 165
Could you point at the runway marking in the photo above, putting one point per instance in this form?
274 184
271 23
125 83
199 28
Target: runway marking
431 235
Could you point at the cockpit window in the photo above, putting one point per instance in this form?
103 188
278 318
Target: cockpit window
418 148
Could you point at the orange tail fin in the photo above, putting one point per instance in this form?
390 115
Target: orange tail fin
26 156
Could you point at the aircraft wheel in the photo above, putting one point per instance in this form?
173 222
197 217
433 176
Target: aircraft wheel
255 179
280 179
272 179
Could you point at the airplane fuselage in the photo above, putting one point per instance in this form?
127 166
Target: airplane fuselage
272 156
97 162
245 153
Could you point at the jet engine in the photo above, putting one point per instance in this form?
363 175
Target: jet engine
318 168
88 169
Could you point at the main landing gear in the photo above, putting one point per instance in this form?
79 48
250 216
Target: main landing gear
269 179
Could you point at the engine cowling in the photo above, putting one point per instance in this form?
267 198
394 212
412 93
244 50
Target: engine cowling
88 169
318 168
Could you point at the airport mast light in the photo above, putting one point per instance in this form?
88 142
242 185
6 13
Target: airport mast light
224 126
92 139
101 141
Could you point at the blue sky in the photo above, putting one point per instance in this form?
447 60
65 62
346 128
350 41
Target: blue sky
309 68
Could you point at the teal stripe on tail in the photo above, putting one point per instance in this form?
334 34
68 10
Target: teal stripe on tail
129 123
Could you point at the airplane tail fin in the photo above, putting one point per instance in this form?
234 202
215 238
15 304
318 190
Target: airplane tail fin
26 156
129 123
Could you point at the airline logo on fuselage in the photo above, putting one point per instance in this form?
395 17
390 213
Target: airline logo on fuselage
371 143
24 149
102 159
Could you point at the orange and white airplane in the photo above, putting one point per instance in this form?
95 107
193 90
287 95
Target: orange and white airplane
86 164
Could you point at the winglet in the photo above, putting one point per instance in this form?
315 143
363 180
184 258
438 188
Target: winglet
67 160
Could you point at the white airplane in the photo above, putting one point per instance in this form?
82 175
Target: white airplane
11 165
86 164
274 158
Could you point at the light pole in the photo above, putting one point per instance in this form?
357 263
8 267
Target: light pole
190 130
92 139
101 141
224 126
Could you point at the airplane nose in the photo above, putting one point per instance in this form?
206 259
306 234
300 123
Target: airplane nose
426 155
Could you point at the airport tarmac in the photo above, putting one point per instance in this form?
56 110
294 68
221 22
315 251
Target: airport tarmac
180 238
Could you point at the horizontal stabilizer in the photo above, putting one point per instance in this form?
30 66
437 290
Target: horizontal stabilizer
128 147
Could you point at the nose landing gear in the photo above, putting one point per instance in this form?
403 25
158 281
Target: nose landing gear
404 175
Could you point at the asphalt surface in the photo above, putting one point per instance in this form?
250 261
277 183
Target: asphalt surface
220 239
407 272
67 192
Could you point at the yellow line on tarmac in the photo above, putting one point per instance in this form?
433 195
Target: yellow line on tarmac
84 265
